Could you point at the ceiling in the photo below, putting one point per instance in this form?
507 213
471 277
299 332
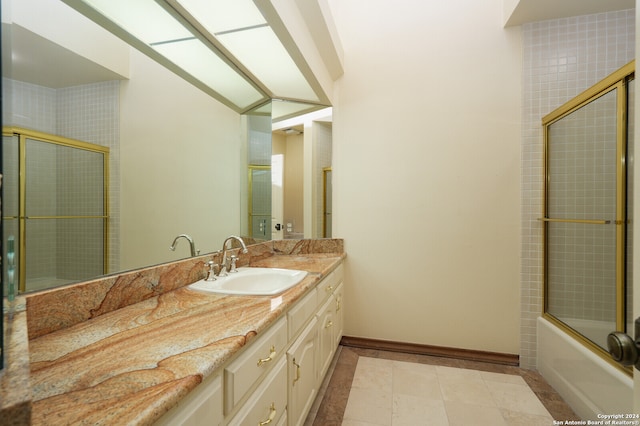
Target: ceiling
33 59
541 10
36 60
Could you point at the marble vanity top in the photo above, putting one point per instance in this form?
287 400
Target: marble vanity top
133 363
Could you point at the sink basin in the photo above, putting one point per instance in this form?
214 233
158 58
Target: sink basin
252 281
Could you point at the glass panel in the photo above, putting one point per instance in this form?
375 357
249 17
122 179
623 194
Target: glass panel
61 251
63 181
582 162
581 258
197 59
631 99
261 227
237 14
151 28
261 203
581 273
10 207
328 204
260 50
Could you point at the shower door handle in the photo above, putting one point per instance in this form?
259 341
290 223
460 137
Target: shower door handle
623 348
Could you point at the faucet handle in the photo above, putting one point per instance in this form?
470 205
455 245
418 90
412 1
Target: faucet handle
234 259
211 273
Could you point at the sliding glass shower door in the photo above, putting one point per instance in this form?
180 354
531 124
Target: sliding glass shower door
585 218
61 223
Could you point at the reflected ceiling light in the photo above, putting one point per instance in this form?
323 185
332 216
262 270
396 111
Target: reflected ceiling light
225 47
244 32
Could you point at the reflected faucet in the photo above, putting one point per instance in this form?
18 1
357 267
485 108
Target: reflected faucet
194 252
223 265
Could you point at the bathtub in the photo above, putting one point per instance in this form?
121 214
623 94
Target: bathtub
589 384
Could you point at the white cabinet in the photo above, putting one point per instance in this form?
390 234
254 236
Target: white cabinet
326 327
258 358
276 377
311 354
203 406
303 373
330 318
338 323
268 404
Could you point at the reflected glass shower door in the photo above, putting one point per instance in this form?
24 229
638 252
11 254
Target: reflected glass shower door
585 216
327 223
65 214
260 202
55 208
11 208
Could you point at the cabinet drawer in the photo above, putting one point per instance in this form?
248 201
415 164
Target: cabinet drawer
203 405
301 312
329 284
269 401
259 357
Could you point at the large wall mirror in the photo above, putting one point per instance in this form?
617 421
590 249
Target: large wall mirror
178 159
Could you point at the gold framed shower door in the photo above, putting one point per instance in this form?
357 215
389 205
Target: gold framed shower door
615 84
23 217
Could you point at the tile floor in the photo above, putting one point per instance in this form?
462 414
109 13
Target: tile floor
371 388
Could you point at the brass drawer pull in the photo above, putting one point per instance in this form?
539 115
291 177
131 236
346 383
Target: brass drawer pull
328 288
338 304
272 415
297 371
329 324
271 356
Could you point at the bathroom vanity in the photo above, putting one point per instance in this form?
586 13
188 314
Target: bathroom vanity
100 353
276 377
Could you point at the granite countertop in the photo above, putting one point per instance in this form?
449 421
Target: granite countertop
132 365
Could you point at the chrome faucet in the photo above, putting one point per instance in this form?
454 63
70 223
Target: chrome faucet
194 252
223 265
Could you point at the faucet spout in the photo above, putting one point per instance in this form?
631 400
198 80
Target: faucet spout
223 265
192 245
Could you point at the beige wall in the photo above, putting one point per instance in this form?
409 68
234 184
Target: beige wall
426 172
180 166
293 183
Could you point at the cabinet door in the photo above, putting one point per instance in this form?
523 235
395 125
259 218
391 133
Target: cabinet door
326 332
303 374
338 318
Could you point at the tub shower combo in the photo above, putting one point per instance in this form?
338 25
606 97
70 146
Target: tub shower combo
588 245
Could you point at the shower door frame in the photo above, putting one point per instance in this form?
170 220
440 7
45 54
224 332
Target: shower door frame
251 213
23 135
616 81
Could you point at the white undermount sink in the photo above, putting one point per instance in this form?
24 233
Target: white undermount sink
252 281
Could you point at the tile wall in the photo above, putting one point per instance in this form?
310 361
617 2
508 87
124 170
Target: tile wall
89 113
561 58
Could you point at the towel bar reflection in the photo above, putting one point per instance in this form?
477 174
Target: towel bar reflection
587 221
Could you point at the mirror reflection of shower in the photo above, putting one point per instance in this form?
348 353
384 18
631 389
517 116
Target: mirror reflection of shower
304 143
55 208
